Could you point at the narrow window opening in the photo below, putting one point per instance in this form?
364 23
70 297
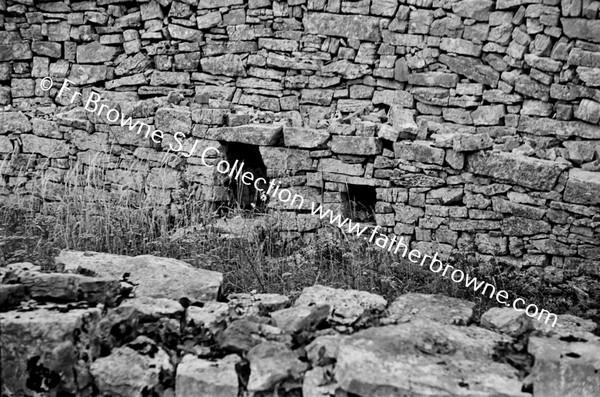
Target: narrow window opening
362 201
242 196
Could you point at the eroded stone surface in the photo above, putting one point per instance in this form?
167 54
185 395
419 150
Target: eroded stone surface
132 370
214 378
438 308
346 305
388 361
156 277
44 349
565 368
521 170
270 363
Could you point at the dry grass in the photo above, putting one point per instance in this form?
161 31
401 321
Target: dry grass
80 215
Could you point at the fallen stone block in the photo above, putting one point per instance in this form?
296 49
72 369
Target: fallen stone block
44 350
300 318
66 287
271 363
564 369
400 359
153 276
134 370
439 308
506 320
209 316
212 378
242 335
346 306
11 295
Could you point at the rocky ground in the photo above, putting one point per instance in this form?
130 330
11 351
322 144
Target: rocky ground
148 326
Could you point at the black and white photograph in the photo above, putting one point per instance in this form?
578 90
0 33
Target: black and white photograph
300 198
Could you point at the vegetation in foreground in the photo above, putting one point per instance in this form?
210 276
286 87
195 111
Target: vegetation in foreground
79 216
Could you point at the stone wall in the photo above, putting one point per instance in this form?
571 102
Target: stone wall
474 124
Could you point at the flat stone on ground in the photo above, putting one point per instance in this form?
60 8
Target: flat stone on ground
213 378
346 305
154 276
424 359
39 344
270 363
564 369
134 370
507 321
440 308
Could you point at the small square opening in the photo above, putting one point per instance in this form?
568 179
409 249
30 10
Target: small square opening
361 200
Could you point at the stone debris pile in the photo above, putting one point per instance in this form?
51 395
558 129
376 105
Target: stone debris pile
465 126
111 325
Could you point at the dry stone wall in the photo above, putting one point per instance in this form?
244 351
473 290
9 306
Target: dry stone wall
473 124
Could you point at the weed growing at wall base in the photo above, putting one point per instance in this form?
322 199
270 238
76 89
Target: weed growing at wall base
392 245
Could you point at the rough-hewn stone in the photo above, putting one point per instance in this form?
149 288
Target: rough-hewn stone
158 277
521 170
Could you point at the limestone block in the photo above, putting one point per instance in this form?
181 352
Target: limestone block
583 187
578 28
95 53
172 120
271 363
357 27
396 362
87 74
214 378
254 134
438 308
154 276
474 9
565 369
589 111
52 148
356 145
228 65
421 151
218 3
184 33
132 370
346 306
521 170
43 346
11 122
306 138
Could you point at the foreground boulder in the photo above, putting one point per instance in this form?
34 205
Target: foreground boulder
346 306
135 370
424 358
172 338
47 349
154 276
214 378
565 369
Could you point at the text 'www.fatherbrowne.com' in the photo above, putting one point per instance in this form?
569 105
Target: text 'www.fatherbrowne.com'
394 245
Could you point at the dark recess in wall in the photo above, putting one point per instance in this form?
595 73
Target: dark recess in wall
362 201
242 196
